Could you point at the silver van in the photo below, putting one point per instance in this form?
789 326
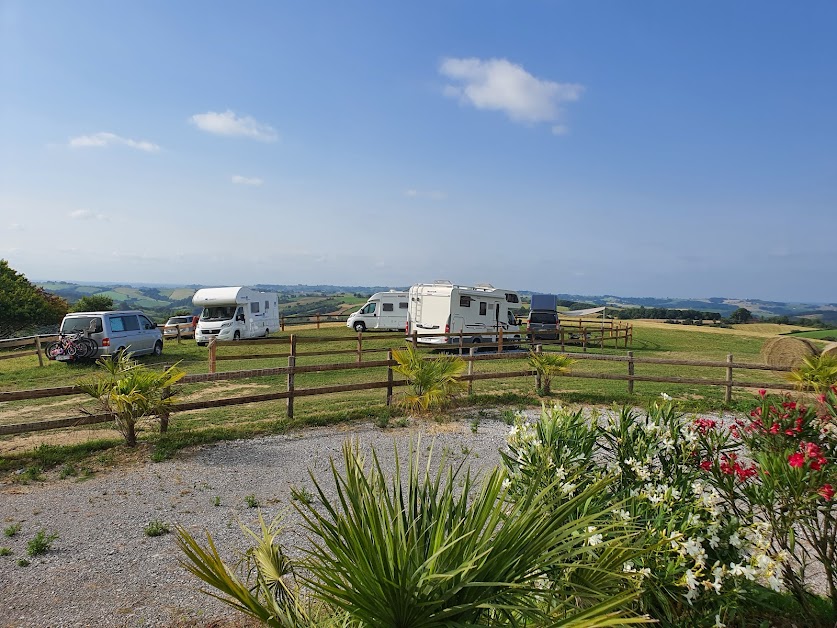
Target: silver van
113 331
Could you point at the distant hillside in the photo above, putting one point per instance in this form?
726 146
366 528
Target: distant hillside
161 301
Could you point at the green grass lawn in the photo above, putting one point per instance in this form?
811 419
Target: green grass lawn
234 421
820 334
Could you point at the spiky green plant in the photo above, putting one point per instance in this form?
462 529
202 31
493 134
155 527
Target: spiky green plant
129 392
433 381
817 373
265 591
548 365
423 549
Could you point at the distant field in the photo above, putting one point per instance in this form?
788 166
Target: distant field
181 293
820 334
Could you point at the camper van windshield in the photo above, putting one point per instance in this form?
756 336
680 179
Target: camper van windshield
221 313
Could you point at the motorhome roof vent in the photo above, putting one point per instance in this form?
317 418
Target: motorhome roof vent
484 286
443 282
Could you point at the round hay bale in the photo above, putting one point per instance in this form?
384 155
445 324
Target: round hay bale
788 351
768 344
830 350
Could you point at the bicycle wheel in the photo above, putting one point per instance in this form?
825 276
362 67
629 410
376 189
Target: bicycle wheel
87 348
53 350
71 349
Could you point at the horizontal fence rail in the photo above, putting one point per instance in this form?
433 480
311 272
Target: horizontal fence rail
471 358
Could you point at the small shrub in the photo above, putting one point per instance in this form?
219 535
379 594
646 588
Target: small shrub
475 424
68 471
216 501
302 495
382 421
252 501
22 562
401 422
5 551
11 530
156 528
433 382
40 544
508 416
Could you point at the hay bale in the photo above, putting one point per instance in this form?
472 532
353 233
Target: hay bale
787 351
830 350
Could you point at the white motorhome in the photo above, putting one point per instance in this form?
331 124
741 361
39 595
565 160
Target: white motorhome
383 310
235 313
442 307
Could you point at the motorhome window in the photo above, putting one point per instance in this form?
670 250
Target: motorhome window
92 324
403 305
511 297
369 308
254 307
483 308
464 301
512 320
388 307
218 313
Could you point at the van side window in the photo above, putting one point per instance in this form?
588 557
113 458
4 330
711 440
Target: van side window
464 301
124 323
146 324
483 308
116 323
254 307
403 305
388 307
369 308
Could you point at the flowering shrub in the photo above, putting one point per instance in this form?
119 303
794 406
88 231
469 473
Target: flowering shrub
699 554
788 487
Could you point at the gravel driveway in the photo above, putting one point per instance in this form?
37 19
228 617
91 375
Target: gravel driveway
104 571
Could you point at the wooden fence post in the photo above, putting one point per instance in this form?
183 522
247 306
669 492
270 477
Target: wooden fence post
460 342
178 333
561 333
728 391
471 371
359 347
282 324
389 378
584 339
415 340
630 372
500 341
538 349
212 350
39 350
318 321
291 365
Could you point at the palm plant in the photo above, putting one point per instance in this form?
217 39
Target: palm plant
130 392
547 366
817 373
433 382
421 549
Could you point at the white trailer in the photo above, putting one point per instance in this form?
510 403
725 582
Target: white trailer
383 310
235 313
478 311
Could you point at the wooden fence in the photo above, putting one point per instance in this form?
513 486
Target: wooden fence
38 342
472 358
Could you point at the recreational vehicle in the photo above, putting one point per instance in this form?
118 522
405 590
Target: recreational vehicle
235 313
479 312
383 310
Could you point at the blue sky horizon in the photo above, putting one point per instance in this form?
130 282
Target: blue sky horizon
636 149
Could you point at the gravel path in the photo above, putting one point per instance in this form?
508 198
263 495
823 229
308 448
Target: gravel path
104 571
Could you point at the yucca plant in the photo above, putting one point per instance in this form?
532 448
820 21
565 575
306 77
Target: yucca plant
419 548
433 381
265 592
548 365
129 392
817 373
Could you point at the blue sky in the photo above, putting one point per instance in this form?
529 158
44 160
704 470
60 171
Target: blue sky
635 148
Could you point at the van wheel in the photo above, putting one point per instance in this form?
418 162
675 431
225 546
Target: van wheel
237 335
158 348
266 332
360 327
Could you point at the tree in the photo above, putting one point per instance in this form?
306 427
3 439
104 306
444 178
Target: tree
93 303
24 305
741 315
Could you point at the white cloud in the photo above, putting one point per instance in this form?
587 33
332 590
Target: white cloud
228 123
107 139
86 214
246 180
499 85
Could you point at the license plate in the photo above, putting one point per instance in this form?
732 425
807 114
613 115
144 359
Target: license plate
63 358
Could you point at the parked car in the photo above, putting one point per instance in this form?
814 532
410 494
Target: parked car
185 323
542 324
90 335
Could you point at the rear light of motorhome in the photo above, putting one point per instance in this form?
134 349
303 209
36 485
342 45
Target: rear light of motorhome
447 329
407 328
105 342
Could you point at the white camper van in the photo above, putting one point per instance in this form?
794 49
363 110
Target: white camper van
383 310
442 307
235 313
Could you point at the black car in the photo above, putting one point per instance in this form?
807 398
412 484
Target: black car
542 324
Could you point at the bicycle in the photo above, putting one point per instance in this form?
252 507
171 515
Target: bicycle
72 346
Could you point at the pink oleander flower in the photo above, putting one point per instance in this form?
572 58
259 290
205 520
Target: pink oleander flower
762 392
826 492
796 460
